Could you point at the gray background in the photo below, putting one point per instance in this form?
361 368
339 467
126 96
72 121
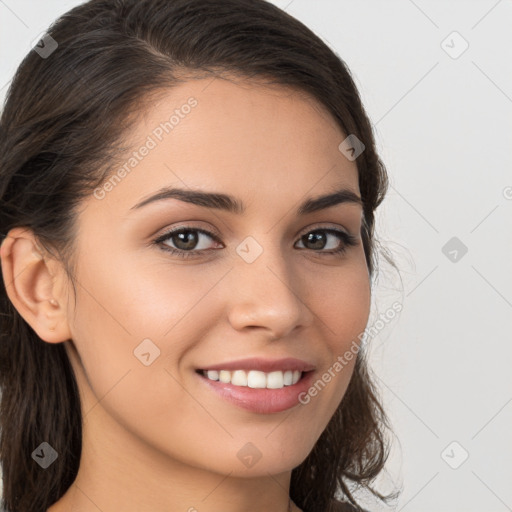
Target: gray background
443 125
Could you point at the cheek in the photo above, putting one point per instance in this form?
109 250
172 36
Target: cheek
121 306
124 301
342 307
341 299
138 297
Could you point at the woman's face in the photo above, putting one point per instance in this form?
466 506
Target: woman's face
147 321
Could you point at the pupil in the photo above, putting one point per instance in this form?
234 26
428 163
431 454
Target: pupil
315 238
192 241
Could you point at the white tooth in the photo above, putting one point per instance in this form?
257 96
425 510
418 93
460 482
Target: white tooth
256 379
275 380
225 376
239 378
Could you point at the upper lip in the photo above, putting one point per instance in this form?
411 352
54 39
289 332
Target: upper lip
263 365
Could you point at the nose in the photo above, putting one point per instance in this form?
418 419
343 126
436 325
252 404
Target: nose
268 297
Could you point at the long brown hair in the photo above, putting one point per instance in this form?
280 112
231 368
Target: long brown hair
61 131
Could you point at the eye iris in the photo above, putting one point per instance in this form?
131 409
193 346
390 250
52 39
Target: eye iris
315 238
192 239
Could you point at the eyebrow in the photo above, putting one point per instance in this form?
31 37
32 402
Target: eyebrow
231 204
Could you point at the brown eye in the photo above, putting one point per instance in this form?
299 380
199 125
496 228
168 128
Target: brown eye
184 241
315 240
318 239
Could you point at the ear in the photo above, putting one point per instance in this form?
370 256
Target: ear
32 282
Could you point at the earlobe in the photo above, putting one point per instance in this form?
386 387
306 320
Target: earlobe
30 285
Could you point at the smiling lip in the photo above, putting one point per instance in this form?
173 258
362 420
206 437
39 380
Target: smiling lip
261 400
263 365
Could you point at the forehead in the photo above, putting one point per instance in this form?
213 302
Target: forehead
241 136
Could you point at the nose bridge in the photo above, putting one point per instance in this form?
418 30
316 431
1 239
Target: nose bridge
268 296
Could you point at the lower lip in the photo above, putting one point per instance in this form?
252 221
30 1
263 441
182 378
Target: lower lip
261 400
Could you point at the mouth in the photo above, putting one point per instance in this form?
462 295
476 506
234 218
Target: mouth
256 391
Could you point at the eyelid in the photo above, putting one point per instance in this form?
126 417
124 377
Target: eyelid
209 231
325 226
214 233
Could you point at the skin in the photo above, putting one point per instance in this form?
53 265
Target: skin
155 437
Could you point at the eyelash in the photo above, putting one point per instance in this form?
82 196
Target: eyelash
347 239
